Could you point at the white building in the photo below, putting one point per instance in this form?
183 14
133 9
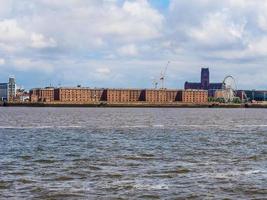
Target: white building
12 88
8 90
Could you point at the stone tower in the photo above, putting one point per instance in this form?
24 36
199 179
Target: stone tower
205 78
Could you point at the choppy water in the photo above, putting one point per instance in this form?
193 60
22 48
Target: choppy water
102 153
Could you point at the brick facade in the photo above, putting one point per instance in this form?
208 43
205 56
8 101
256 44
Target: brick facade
88 95
161 96
156 96
193 96
172 95
79 95
42 95
125 95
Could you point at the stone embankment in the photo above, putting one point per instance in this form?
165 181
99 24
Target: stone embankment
137 105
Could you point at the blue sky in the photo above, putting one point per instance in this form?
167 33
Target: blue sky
126 43
160 4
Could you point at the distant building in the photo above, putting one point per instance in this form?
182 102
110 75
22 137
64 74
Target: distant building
219 94
22 96
125 95
12 88
79 95
193 96
204 84
8 90
42 94
3 91
257 95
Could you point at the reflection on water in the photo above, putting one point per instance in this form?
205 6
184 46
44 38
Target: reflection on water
102 153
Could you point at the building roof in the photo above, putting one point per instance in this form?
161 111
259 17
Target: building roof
42 89
192 85
196 90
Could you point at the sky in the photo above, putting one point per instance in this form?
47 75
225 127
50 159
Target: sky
127 43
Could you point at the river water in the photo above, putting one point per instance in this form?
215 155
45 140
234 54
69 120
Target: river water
137 153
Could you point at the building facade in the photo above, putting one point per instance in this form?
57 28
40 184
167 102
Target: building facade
42 94
256 95
155 96
171 96
12 89
22 96
113 96
79 95
8 90
3 91
204 84
125 95
162 96
219 94
193 96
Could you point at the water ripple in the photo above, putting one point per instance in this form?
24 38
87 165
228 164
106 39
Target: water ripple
96 153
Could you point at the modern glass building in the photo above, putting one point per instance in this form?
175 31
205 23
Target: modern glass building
257 95
3 91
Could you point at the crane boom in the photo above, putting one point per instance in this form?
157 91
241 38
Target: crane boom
163 75
165 70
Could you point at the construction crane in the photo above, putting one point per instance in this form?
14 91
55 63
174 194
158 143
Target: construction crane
163 75
155 83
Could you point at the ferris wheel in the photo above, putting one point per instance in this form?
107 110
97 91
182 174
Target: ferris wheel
229 89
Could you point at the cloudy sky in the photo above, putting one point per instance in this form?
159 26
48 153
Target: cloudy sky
126 43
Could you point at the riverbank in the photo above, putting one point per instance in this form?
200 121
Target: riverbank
134 105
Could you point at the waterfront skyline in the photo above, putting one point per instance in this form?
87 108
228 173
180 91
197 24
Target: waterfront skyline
113 43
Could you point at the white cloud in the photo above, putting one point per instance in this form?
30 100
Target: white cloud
258 47
262 16
230 29
10 31
104 71
218 30
27 64
143 20
39 41
14 38
80 22
5 7
128 50
2 61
